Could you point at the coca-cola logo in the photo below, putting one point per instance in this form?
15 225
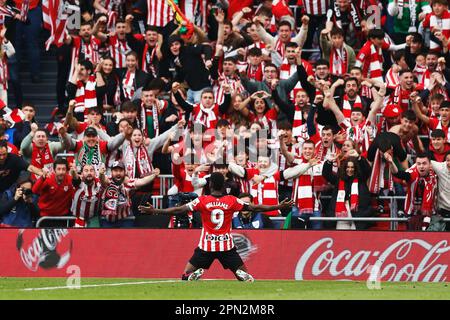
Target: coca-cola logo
47 249
403 260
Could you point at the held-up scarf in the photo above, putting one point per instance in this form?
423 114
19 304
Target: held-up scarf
341 209
148 57
139 160
377 180
41 158
303 191
338 61
150 119
429 191
354 13
89 155
128 85
347 107
360 135
116 203
376 63
412 13
86 96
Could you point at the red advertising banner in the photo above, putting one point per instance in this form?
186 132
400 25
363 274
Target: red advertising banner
269 254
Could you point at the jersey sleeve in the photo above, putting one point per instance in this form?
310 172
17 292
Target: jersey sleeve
194 205
238 205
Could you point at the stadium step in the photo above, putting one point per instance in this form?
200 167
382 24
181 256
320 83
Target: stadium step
42 94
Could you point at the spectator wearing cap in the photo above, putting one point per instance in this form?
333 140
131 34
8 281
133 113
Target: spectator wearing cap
116 200
439 147
391 117
18 205
39 150
92 150
55 192
186 62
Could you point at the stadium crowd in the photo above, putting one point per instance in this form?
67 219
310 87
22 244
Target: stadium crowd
331 103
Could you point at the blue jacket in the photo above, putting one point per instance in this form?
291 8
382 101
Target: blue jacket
256 221
17 213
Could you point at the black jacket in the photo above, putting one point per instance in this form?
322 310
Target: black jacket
364 208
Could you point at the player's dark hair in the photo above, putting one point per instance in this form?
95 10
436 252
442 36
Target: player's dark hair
423 155
216 181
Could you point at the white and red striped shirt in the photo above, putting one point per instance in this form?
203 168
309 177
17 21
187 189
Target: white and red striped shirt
85 202
89 51
234 83
159 13
282 163
434 23
265 192
195 11
217 215
287 70
118 50
316 7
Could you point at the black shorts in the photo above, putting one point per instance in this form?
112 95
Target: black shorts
229 259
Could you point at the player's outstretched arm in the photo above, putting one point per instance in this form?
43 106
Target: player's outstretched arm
169 211
285 204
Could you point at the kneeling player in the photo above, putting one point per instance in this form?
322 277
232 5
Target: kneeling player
216 241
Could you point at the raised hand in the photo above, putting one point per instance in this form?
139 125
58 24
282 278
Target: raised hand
286 204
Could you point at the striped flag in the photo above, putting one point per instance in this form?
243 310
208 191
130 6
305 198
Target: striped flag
7 11
55 20
24 10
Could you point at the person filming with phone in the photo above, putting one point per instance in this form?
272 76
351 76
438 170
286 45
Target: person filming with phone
18 205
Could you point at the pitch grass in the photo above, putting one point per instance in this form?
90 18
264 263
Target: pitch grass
13 288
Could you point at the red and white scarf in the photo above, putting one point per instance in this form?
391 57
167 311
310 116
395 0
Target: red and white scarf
305 188
392 79
377 181
341 208
86 96
128 84
429 192
41 158
401 98
205 116
255 73
148 56
297 123
139 160
347 107
338 61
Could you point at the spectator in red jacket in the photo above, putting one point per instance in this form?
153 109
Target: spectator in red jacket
55 192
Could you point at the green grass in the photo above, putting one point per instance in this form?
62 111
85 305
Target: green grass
13 288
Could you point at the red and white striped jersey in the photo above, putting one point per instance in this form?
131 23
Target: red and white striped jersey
316 7
159 13
235 84
435 23
84 51
287 70
265 192
282 163
195 11
216 214
85 202
118 50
